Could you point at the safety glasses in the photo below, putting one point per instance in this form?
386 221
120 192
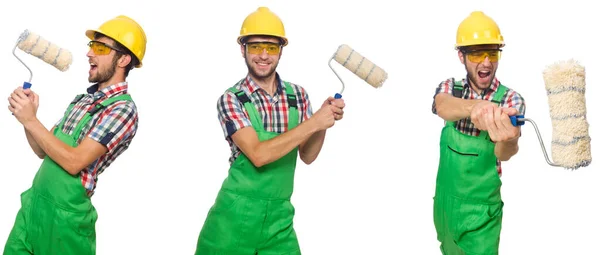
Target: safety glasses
478 56
259 47
101 48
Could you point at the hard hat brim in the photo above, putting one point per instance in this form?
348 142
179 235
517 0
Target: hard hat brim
285 40
490 42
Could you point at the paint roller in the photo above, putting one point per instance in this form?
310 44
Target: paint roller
359 65
565 88
41 48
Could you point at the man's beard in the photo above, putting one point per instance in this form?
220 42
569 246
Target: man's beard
105 76
482 87
260 76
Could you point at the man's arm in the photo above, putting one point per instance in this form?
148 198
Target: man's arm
33 144
115 125
447 106
505 150
72 159
504 133
265 152
309 149
451 108
237 126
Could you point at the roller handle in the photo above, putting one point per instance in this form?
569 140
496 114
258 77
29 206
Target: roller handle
26 85
337 96
517 120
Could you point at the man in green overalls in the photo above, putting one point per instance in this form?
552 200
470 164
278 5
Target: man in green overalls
268 122
477 136
56 214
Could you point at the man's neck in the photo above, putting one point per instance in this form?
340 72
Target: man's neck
476 89
268 83
108 83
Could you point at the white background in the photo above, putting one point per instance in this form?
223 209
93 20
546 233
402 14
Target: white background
370 191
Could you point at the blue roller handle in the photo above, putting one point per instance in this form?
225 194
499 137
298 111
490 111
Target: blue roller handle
337 96
26 85
516 120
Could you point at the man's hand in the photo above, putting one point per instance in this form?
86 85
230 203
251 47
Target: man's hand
480 112
505 134
499 125
34 98
326 116
23 104
338 109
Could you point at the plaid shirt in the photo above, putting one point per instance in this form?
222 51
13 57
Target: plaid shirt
511 99
113 127
273 110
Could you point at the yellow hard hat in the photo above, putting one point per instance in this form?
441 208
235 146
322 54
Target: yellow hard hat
125 31
478 29
263 22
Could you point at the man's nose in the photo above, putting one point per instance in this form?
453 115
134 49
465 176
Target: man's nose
90 53
264 54
486 61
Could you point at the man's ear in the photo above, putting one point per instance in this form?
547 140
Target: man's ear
461 57
124 60
243 50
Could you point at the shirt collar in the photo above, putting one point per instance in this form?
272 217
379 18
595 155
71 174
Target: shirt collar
119 88
253 87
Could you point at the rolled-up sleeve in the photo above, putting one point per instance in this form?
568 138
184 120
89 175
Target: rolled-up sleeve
443 87
515 100
231 114
116 125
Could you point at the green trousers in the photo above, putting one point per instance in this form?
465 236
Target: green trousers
252 213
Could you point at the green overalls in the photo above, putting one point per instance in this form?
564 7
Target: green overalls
56 216
252 213
467 203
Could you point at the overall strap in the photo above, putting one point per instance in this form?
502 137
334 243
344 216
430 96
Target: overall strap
100 106
457 91
69 109
255 116
457 88
293 117
250 108
500 92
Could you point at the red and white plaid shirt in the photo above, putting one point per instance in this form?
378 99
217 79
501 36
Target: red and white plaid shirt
273 110
511 99
114 127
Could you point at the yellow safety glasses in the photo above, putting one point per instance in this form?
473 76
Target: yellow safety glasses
259 47
478 56
100 48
